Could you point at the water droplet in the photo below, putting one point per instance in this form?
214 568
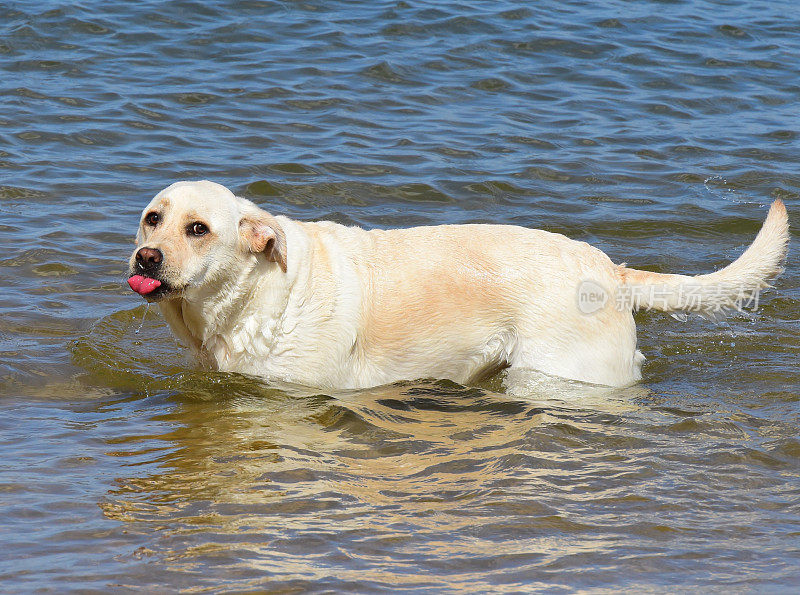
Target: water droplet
146 309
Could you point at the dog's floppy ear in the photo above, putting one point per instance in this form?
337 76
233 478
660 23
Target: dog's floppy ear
261 232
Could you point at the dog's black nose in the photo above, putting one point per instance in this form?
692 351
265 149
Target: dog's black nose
149 258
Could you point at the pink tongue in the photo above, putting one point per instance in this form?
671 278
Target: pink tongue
143 285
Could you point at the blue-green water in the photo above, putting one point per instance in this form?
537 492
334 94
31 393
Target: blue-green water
658 131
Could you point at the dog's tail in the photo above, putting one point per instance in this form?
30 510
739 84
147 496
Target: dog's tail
735 286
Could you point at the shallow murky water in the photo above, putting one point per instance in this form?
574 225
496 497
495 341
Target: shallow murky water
658 131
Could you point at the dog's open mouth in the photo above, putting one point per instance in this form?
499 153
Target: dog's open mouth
148 287
143 285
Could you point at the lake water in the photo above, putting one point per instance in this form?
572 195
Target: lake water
657 131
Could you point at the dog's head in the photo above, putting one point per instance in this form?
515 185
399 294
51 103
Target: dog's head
196 236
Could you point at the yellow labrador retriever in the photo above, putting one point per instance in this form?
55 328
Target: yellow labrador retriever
326 305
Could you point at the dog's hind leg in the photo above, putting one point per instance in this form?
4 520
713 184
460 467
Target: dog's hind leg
598 349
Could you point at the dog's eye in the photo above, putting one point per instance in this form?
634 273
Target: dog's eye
152 218
198 229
